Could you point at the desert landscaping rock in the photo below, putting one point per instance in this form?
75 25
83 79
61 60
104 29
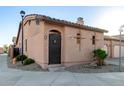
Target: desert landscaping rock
81 68
18 65
86 68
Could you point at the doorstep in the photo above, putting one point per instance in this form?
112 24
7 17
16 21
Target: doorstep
56 67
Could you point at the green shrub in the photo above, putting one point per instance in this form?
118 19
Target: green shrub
21 57
100 56
28 61
18 58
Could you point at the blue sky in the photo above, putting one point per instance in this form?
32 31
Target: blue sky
10 17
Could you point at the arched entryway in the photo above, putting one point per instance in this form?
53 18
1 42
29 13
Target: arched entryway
54 47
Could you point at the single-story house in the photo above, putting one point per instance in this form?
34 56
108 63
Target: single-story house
51 41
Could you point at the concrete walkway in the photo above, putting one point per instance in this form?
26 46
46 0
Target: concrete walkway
13 77
115 61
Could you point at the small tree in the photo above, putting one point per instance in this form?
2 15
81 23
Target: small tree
100 55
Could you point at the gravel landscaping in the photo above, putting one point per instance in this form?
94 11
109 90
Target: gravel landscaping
87 68
81 68
18 65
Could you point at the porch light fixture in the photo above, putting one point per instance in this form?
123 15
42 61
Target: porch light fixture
120 30
22 13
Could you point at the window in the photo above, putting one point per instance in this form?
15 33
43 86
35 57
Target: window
25 44
37 22
29 22
37 26
93 40
78 38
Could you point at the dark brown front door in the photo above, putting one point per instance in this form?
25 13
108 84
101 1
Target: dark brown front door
54 48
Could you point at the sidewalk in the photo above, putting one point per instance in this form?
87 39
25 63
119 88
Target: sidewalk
115 61
13 77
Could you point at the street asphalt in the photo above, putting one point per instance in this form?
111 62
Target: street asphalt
14 77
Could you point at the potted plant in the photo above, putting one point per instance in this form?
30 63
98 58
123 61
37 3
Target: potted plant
100 55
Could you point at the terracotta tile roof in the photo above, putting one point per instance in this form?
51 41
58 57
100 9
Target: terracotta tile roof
118 35
64 22
112 38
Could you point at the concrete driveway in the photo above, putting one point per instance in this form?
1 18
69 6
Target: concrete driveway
13 77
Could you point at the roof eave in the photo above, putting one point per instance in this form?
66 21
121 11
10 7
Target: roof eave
18 33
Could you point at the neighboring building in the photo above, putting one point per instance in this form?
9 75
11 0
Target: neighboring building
118 36
1 50
111 45
12 51
52 41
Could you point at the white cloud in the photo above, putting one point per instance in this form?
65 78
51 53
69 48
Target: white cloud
111 20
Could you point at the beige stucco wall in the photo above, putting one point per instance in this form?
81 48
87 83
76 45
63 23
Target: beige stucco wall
71 52
35 38
34 35
47 28
18 45
108 44
80 53
99 40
